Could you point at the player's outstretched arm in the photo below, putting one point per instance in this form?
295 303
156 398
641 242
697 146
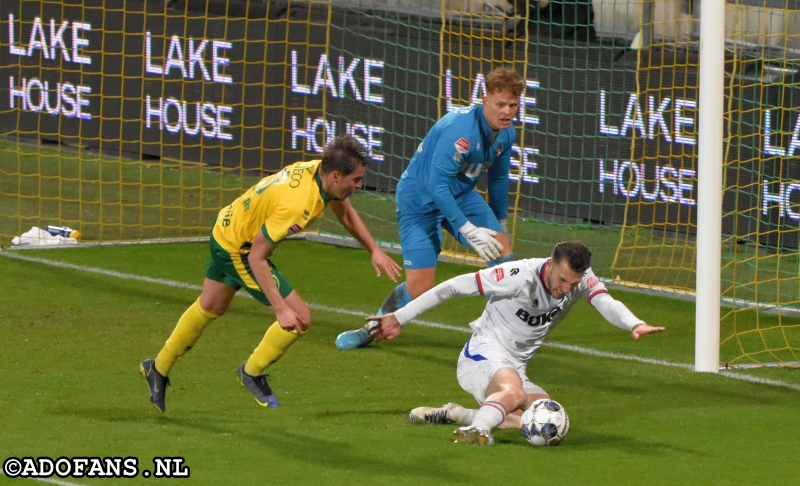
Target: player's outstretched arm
640 330
388 327
619 315
347 215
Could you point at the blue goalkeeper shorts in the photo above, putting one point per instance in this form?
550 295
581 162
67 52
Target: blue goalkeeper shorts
421 234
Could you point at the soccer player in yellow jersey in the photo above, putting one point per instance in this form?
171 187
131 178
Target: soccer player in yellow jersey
244 236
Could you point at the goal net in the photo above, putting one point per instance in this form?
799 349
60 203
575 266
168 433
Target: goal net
138 121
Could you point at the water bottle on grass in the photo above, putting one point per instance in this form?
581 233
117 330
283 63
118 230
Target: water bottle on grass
64 231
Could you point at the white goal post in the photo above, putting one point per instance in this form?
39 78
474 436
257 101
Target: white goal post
709 186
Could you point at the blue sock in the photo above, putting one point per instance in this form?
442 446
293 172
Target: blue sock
396 299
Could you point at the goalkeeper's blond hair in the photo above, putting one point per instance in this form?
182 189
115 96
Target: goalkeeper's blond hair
505 79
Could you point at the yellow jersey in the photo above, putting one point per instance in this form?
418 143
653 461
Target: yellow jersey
279 205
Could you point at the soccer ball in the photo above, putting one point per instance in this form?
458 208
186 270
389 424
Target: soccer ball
545 423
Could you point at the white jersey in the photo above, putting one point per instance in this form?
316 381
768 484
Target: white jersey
521 312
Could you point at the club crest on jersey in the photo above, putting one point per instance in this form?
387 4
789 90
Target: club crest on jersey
462 145
497 274
592 282
294 229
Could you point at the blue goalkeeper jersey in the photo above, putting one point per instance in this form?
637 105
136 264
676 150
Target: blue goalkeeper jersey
448 163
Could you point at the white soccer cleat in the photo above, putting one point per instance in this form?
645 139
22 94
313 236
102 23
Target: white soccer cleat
473 435
449 413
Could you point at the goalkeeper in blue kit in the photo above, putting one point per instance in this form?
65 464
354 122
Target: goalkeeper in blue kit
437 191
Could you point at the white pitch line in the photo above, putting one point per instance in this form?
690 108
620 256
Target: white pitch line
55 481
336 310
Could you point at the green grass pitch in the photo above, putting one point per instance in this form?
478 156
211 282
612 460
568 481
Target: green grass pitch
72 340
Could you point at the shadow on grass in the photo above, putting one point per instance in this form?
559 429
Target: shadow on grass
600 441
283 442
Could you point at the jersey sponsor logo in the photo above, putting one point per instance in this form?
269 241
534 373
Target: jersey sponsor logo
540 320
592 282
462 145
226 219
296 176
497 274
294 229
306 214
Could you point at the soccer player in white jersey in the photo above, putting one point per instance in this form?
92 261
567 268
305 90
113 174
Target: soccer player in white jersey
527 299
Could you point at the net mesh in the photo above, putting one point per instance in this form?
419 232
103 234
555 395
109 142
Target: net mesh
140 120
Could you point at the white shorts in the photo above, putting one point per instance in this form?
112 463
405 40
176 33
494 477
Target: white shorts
480 359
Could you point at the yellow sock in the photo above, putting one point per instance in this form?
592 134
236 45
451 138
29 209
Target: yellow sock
189 329
276 341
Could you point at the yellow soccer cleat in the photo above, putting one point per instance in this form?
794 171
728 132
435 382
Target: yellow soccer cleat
473 435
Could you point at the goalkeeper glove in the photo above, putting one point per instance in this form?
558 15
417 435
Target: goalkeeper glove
482 241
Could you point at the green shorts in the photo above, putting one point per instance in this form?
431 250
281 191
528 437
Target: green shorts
234 271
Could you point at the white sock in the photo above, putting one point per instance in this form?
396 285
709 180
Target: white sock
489 416
468 416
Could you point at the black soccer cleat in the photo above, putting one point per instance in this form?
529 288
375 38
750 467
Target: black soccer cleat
259 387
157 383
